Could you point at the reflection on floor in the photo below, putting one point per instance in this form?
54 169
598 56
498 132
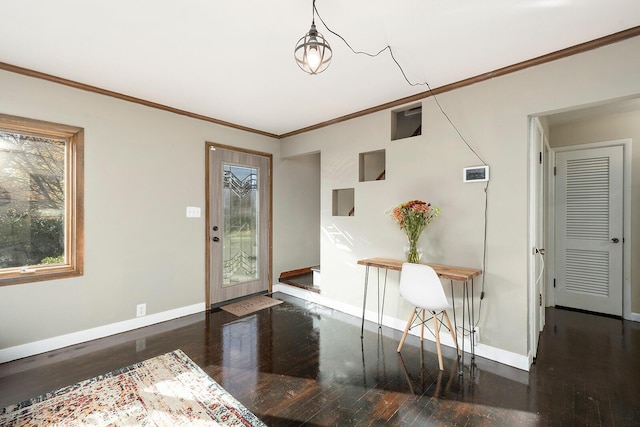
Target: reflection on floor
300 363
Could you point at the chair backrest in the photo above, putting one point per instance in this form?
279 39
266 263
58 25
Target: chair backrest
421 286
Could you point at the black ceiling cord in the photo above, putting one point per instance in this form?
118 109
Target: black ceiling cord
433 95
435 98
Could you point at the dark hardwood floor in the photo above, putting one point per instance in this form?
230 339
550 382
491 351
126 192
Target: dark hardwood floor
300 363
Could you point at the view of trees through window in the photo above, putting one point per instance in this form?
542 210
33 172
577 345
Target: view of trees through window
32 200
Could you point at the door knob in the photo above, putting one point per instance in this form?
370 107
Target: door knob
615 240
216 239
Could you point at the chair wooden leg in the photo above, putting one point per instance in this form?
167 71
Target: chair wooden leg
453 333
406 330
424 319
437 333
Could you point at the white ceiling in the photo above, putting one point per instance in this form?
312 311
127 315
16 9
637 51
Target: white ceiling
233 60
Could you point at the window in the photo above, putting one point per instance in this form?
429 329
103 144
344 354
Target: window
41 200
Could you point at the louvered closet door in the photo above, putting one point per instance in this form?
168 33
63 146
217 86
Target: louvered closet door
589 229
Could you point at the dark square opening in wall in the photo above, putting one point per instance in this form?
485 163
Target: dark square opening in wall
343 202
406 123
372 166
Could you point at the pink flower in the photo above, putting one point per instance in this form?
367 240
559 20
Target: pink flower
413 216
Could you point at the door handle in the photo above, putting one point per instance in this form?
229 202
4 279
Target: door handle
615 240
216 239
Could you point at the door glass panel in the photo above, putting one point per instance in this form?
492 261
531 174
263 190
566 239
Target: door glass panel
240 242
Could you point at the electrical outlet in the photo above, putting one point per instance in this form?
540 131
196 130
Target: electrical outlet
141 310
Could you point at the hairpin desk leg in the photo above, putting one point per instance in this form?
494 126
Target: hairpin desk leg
384 293
455 326
364 299
473 327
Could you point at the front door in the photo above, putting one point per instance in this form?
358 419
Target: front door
238 222
589 207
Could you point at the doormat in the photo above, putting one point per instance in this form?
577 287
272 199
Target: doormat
251 305
168 390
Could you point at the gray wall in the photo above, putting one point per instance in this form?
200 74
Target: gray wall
494 118
143 167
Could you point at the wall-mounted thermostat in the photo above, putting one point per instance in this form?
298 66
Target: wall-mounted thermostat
475 174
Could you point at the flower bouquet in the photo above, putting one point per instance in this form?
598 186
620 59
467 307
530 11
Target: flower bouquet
412 217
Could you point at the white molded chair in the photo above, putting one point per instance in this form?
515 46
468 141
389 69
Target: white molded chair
421 286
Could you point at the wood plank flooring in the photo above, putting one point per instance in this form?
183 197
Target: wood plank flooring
302 364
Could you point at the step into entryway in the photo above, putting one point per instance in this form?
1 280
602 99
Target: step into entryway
305 278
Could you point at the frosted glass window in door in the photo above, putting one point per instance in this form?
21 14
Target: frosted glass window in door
240 243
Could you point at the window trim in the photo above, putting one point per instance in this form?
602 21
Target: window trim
74 200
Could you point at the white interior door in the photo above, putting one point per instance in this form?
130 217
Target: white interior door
538 165
589 221
239 186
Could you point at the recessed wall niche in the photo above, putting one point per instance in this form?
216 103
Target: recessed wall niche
343 202
372 166
406 122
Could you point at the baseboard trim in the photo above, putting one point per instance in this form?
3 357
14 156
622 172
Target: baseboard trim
635 317
55 343
520 361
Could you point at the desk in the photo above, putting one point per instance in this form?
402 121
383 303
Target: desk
452 273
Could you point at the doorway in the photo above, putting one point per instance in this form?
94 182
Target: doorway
615 121
238 189
298 225
580 271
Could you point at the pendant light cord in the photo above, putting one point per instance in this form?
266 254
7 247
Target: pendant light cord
453 125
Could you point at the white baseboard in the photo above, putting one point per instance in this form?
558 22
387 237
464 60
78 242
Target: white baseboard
42 346
633 317
520 361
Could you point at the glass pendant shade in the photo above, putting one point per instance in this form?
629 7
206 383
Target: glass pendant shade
313 53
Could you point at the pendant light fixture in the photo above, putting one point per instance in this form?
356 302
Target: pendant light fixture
313 53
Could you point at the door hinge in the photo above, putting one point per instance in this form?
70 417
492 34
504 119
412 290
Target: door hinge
540 299
555 170
540 157
554 283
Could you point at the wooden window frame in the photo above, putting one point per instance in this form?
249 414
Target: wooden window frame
74 200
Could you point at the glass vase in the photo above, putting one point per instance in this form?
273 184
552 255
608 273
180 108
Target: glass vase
412 252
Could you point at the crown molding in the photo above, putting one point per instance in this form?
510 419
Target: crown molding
553 56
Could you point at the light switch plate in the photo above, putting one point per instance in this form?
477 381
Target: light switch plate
193 212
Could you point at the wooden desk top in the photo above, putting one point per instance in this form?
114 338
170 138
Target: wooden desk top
460 274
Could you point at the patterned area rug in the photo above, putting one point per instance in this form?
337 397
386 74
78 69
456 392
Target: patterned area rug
251 305
168 390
